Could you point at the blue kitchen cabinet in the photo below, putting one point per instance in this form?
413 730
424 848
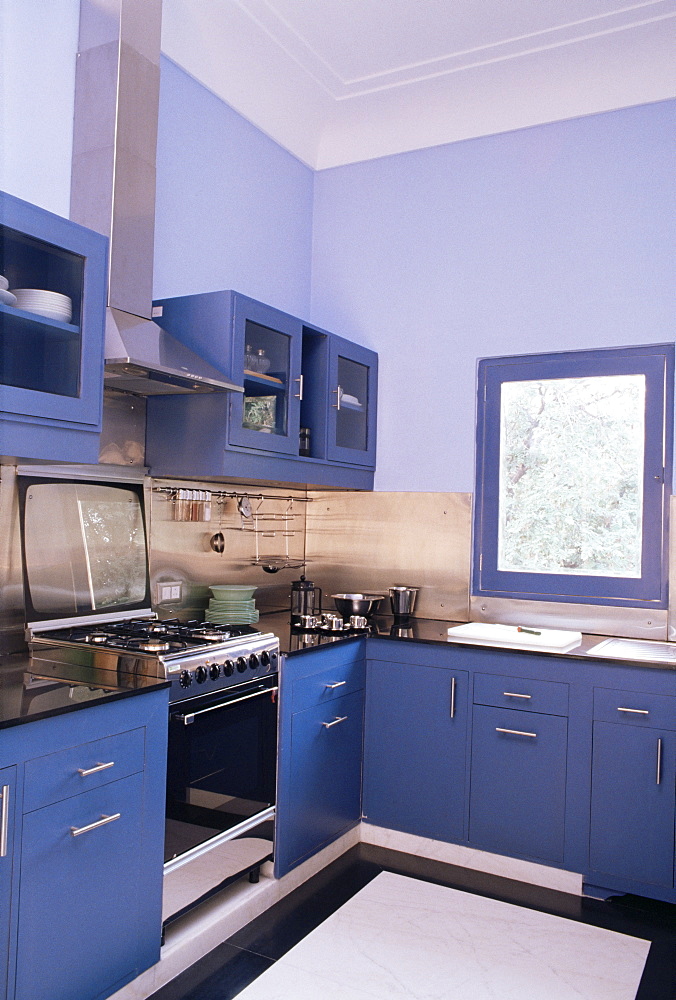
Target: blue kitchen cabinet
518 771
633 790
320 751
88 852
518 783
51 369
414 742
283 425
7 838
353 383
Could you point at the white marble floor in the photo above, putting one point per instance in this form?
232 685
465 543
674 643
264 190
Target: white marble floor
400 937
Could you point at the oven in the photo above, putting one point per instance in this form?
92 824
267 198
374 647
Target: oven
221 771
87 599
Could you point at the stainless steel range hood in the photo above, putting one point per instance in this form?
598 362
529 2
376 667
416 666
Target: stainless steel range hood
113 191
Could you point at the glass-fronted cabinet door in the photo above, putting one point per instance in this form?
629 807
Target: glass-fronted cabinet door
353 381
267 352
52 311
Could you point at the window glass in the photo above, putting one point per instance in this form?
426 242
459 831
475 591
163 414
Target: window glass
580 441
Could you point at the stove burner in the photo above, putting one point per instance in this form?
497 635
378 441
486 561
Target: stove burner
153 646
99 638
211 635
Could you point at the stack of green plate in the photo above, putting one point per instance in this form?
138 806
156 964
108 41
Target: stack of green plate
232 604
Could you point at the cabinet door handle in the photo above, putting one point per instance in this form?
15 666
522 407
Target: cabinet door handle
339 393
659 761
514 732
452 697
83 772
338 718
513 694
75 831
634 711
4 821
299 394
337 684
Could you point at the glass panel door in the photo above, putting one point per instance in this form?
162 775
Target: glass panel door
266 380
352 406
40 315
267 350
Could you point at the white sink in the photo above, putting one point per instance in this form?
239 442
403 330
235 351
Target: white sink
635 649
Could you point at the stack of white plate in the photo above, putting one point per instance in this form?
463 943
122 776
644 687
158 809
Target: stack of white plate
6 298
232 604
52 305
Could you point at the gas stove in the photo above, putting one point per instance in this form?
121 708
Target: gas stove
195 656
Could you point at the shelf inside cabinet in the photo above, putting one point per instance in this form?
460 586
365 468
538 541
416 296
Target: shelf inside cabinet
266 380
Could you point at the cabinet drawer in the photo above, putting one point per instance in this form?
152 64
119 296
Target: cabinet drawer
322 687
634 708
550 697
82 768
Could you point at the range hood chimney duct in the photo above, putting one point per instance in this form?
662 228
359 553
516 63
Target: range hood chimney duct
117 88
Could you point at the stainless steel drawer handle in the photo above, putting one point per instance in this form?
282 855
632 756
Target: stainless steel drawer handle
513 694
338 718
514 732
659 761
634 711
83 772
453 682
332 687
75 831
4 821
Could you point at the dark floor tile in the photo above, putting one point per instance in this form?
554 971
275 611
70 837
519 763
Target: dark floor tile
223 973
220 975
292 918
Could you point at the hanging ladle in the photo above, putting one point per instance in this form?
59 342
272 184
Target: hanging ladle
217 542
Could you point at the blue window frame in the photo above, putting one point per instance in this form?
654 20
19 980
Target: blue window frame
651 374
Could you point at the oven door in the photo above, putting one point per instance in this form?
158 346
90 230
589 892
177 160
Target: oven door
221 778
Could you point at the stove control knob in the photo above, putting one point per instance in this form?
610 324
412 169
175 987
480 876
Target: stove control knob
241 664
201 675
228 668
185 680
273 657
265 658
214 671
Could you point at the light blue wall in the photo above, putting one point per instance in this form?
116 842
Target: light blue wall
38 48
234 209
556 237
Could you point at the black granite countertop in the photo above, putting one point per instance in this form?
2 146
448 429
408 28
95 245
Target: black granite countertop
30 691
426 630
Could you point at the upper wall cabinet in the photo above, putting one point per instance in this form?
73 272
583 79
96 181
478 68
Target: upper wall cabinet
307 414
52 319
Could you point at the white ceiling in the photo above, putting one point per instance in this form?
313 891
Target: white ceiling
337 81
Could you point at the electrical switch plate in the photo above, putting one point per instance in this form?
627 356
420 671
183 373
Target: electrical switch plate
169 591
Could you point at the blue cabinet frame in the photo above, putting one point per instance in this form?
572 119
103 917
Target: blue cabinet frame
208 434
35 420
85 913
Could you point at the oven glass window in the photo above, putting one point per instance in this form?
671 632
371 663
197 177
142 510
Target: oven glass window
221 768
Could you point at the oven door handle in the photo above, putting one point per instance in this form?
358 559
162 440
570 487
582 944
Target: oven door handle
191 716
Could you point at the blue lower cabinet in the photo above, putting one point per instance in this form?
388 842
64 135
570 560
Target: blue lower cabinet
87 822
633 800
320 751
518 783
326 763
414 749
79 893
8 790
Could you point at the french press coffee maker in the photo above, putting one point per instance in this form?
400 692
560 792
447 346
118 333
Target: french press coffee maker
306 599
